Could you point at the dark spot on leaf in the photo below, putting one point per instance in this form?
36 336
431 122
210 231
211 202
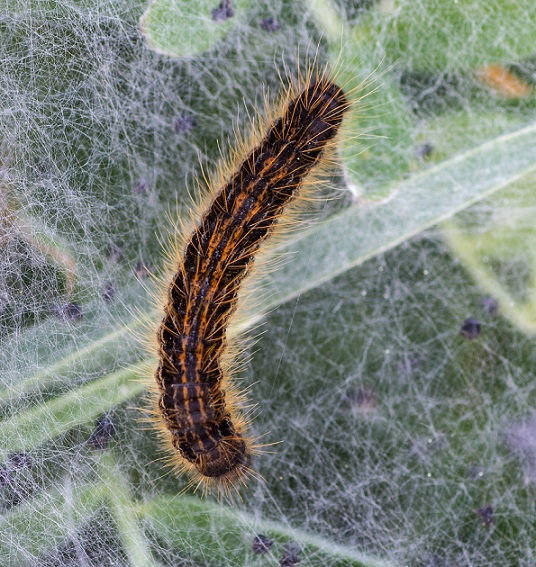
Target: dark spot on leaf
184 123
104 431
290 557
108 292
490 306
362 400
424 151
116 253
261 544
142 269
223 12
141 186
486 514
470 328
68 311
270 24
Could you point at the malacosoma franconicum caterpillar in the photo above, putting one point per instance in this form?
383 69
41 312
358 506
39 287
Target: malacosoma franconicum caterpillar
196 403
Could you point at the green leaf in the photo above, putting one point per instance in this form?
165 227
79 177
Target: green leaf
56 353
434 35
353 236
119 498
29 429
42 523
499 251
378 142
203 529
93 358
183 28
50 519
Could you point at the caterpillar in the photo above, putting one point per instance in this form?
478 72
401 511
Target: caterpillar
196 403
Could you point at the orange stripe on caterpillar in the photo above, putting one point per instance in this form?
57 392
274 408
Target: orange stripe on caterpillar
199 419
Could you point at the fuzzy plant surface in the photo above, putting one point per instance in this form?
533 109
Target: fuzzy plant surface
393 369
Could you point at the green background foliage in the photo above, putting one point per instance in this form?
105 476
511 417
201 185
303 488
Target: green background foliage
397 430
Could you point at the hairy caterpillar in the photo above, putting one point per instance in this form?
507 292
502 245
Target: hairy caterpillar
195 402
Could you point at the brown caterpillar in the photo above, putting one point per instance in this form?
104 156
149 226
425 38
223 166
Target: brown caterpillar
196 402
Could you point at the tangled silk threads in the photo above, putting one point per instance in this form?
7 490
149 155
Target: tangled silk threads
199 418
